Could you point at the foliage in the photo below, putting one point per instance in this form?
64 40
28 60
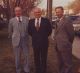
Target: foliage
26 5
75 6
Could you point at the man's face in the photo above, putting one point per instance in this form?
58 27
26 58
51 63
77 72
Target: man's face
59 12
18 11
37 13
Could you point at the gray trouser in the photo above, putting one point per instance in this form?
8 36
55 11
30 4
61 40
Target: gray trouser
21 48
65 60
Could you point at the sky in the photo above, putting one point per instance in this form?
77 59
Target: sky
55 3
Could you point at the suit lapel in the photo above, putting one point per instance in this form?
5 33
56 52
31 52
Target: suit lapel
16 20
41 21
23 19
60 24
34 24
40 24
19 25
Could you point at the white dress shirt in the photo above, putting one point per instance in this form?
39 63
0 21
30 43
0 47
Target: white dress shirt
36 20
18 18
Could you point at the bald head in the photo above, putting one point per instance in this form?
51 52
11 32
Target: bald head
18 11
37 12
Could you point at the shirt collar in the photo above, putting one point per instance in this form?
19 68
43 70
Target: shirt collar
60 18
18 18
38 18
36 21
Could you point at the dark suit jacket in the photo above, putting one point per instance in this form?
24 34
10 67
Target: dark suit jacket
40 38
64 34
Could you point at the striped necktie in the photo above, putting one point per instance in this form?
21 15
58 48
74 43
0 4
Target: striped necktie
37 25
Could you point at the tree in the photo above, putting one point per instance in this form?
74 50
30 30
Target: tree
75 6
26 5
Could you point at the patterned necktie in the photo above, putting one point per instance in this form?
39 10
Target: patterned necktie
57 23
37 25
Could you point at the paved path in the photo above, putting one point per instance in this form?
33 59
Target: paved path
7 64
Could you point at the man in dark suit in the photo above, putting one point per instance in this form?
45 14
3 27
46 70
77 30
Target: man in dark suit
64 36
40 29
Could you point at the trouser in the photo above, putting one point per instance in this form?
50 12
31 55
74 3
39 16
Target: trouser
64 59
40 58
21 48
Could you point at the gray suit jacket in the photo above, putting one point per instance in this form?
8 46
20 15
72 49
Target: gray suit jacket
64 34
18 31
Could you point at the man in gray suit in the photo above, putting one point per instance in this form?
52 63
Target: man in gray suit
18 31
64 36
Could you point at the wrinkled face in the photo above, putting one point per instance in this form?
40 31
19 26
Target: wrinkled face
18 11
59 12
37 13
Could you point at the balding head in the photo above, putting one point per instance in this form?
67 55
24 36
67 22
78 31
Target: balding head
37 12
18 11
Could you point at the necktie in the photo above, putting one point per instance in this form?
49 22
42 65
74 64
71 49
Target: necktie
37 25
19 19
57 21
20 26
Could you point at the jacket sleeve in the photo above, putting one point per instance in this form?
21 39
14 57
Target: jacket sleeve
29 28
70 30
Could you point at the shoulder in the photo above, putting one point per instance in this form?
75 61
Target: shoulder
67 19
31 20
44 18
27 18
12 19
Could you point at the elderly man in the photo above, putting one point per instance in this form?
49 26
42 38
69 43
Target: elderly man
64 36
40 29
18 30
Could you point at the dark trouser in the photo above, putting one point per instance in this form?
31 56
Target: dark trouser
40 58
65 60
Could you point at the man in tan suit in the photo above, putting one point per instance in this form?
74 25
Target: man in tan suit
64 36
